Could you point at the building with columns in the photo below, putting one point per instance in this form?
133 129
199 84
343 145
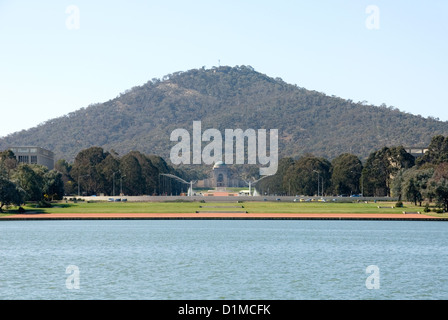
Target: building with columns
220 177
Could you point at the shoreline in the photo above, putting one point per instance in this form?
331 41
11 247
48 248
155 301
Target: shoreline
221 216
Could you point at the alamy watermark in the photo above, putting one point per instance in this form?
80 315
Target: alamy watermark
234 140
373 20
373 280
72 281
73 20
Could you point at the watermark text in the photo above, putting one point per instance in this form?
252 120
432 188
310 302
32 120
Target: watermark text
73 20
72 281
234 147
373 280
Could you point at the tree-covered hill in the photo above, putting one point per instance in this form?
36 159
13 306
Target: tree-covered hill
143 117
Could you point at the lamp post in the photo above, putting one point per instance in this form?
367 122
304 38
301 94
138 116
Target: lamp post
362 184
121 184
113 179
322 186
79 177
318 181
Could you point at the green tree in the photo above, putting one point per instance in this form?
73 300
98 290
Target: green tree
346 174
441 193
412 191
53 186
8 163
30 178
397 185
65 168
382 167
437 151
439 185
9 194
278 183
150 173
374 174
309 175
414 184
109 171
86 170
133 184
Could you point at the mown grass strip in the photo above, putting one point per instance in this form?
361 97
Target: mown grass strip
250 207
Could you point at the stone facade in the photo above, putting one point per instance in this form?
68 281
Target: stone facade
220 177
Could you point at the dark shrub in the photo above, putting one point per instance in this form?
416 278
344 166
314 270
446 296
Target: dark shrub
44 204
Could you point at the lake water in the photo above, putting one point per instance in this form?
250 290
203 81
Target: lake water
223 259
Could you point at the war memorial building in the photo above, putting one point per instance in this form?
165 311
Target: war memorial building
220 177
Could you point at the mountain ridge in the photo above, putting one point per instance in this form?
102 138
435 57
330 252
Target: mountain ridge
308 121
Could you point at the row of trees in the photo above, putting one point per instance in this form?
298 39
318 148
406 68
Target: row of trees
428 179
93 172
24 182
390 171
345 175
96 171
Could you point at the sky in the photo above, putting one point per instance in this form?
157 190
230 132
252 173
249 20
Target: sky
57 57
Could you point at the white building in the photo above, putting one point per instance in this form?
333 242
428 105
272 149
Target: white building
34 155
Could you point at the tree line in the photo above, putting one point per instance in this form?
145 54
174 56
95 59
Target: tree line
23 182
96 171
387 172
93 172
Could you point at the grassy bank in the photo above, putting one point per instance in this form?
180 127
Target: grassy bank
250 207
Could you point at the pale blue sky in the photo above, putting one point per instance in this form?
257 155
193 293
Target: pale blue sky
48 70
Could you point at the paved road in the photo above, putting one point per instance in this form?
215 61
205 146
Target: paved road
228 198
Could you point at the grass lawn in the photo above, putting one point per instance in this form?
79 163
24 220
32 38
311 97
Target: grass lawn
251 207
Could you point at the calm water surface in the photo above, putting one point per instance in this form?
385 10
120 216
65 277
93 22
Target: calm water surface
223 259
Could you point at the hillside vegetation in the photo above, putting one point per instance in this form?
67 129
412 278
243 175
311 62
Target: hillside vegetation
142 118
